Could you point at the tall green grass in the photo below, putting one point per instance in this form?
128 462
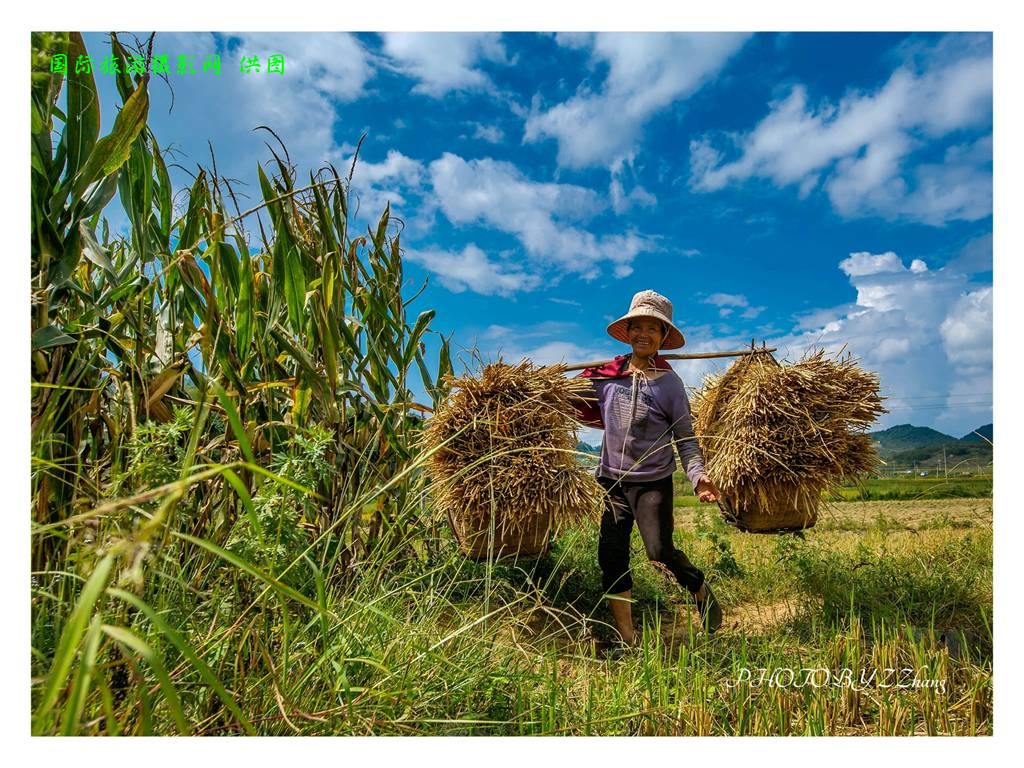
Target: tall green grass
246 401
408 647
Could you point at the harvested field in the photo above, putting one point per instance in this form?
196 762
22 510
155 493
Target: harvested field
910 515
908 581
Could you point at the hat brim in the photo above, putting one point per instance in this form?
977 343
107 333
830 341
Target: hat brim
673 339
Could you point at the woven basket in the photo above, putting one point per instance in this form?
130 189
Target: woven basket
779 519
532 539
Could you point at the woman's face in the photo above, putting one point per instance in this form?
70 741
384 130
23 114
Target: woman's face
645 336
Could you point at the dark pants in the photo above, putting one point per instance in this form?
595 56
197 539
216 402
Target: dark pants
650 504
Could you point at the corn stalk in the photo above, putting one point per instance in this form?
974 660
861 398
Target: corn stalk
306 326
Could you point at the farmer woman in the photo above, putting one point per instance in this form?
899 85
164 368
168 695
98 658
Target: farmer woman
642 406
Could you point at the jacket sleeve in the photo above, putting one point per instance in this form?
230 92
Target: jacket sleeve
683 436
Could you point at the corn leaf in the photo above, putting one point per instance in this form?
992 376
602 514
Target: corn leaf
83 125
50 336
112 151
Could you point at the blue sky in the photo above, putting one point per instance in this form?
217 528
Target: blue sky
808 189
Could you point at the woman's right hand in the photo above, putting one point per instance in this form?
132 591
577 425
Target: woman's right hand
706 490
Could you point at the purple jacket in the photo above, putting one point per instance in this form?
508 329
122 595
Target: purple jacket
642 418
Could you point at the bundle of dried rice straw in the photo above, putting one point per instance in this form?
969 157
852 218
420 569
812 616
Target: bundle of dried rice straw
503 459
775 437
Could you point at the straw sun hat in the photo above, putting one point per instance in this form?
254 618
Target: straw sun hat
649 304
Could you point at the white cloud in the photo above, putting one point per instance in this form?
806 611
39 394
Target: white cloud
444 61
819 318
336 62
375 185
862 145
543 343
622 201
727 300
575 40
731 301
395 168
320 71
489 133
967 331
975 256
646 73
472 269
553 352
498 191
925 331
519 333
958 188
892 348
864 263
542 216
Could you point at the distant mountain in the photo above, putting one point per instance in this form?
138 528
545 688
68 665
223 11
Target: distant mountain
961 454
906 437
980 435
907 445
587 448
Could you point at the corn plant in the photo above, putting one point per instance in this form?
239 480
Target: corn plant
310 327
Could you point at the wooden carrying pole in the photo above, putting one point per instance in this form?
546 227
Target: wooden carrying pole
680 356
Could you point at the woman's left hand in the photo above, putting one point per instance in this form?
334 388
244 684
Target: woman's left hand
706 490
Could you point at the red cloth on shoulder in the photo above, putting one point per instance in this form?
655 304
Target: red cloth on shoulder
589 412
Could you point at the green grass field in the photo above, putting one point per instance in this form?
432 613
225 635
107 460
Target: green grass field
881 489
915 488
444 645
